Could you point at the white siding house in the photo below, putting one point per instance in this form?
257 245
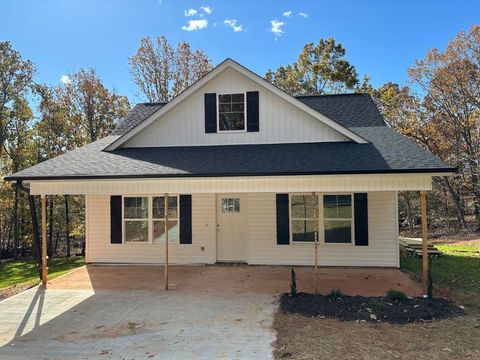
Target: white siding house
253 175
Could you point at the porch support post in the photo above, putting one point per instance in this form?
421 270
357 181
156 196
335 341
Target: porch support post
423 198
44 241
165 204
315 231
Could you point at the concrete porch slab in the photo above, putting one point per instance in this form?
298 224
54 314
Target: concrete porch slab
238 279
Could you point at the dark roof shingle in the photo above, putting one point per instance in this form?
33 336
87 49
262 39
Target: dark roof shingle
386 152
349 110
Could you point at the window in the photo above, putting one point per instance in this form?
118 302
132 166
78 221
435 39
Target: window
231 205
159 219
337 218
303 217
231 112
136 219
144 219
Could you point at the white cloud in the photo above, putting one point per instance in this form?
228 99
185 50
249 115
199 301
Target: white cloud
193 25
233 24
287 13
302 14
65 79
207 9
190 12
276 27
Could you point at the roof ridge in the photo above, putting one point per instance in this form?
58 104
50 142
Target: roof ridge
152 103
325 95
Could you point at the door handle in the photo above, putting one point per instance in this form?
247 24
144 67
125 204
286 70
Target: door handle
218 227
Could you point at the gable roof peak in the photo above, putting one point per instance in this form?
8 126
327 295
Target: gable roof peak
228 62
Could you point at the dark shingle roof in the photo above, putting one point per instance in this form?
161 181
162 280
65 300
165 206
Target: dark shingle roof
233 160
135 116
348 110
387 152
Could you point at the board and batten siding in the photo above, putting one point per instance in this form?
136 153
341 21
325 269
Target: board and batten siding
261 246
100 250
280 121
382 249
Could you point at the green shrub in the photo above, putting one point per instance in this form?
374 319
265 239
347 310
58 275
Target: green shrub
395 295
293 283
336 294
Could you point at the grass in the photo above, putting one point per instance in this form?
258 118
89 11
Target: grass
25 272
457 273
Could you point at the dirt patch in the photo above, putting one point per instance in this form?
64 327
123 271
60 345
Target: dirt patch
373 309
123 328
14 290
472 238
302 337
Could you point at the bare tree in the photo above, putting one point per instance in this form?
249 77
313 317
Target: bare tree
162 72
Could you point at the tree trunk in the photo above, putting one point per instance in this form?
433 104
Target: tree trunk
456 201
50 228
475 191
67 226
409 214
15 226
57 237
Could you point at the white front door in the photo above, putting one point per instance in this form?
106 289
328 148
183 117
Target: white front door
231 241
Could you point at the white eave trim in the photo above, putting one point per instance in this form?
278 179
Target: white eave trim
229 63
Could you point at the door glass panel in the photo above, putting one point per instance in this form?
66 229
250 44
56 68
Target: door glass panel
230 205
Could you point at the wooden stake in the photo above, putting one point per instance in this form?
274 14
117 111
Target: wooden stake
315 231
44 241
165 203
423 196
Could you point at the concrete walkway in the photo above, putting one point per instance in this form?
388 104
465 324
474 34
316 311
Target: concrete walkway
122 312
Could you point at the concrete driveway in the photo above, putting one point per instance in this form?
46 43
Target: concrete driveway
116 312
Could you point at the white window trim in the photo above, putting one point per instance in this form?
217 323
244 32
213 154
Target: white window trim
321 221
149 220
244 113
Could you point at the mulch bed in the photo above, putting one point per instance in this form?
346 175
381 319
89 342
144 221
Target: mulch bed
372 309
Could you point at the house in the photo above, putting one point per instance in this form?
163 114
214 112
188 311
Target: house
250 172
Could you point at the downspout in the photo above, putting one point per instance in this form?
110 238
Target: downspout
36 235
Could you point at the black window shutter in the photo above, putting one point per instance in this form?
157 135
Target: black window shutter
185 219
115 219
361 219
211 113
253 114
283 220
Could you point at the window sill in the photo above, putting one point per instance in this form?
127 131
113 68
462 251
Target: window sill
319 243
148 243
231 131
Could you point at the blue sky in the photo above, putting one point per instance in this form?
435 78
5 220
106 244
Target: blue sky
382 38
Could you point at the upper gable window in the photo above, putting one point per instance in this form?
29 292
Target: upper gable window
231 112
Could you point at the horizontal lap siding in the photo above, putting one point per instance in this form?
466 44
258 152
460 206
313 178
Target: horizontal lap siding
382 249
100 250
261 236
